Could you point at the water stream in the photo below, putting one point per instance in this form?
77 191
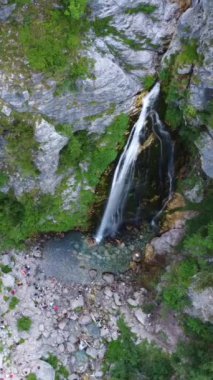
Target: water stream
124 173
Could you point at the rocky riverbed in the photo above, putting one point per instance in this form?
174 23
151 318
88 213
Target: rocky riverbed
71 319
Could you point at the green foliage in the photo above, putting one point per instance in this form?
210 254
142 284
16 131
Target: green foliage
31 376
189 54
13 303
24 324
127 361
193 359
6 269
56 53
34 213
3 179
177 282
21 145
149 81
75 8
61 372
179 112
144 8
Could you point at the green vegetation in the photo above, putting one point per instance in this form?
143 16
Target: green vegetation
192 359
3 179
6 268
57 53
61 372
31 376
148 82
127 361
13 303
197 247
175 89
144 8
21 145
34 213
24 324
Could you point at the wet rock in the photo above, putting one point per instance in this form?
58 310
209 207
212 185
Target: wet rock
108 278
81 362
166 242
149 255
93 274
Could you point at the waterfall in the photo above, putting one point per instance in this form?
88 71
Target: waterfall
124 172
166 158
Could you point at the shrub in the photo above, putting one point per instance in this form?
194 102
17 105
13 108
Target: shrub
31 376
127 361
61 372
144 8
149 81
24 324
6 269
13 303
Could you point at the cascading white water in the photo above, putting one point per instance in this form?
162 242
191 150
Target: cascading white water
124 172
166 147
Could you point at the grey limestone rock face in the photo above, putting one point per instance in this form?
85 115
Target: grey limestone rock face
202 303
118 69
196 24
50 144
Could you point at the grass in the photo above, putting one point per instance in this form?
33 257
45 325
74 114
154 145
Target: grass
31 376
24 324
148 82
6 268
13 303
144 8
61 372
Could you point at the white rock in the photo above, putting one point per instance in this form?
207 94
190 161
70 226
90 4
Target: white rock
44 371
70 348
8 281
85 320
117 299
92 352
62 324
140 316
78 302
108 278
108 293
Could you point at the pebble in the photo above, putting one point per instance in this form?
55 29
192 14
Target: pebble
108 293
61 348
92 352
78 302
93 273
117 299
108 278
41 328
85 320
141 317
8 281
62 324
71 348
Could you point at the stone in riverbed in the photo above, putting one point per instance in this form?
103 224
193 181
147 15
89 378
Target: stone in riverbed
44 371
77 303
141 316
108 278
8 281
